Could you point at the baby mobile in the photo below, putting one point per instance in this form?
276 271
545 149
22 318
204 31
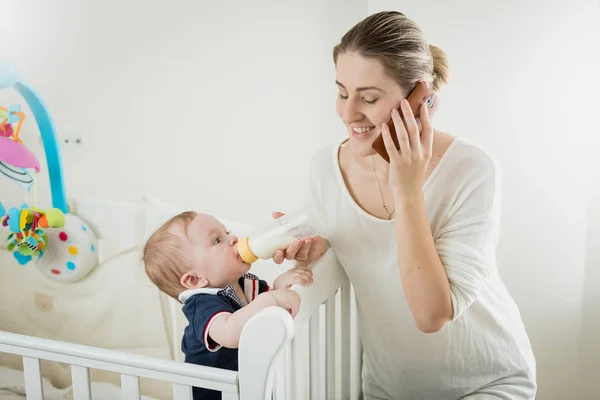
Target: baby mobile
27 238
63 246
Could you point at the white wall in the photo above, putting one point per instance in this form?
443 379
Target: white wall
218 106
590 328
520 88
208 104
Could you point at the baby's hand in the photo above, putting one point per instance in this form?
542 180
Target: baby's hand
299 275
287 299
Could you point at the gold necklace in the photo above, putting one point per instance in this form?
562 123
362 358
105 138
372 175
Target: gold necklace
387 212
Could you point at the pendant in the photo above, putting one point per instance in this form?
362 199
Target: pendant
389 214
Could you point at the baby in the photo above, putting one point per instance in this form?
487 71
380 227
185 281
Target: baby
193 258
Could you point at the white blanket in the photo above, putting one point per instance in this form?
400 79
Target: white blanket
12 387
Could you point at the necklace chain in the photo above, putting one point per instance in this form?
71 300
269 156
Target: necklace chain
387 212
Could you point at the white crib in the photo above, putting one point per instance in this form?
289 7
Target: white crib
317 355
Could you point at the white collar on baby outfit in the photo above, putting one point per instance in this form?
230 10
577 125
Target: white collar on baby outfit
186 294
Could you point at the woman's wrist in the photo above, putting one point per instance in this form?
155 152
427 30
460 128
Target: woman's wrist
408 197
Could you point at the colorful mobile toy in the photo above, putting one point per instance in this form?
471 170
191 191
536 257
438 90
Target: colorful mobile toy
27 225
64 246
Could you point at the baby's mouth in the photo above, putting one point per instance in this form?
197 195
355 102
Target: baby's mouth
239 258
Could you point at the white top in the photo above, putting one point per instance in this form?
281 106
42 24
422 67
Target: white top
486 341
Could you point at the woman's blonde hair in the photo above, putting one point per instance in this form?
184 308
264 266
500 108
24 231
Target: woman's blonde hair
400 46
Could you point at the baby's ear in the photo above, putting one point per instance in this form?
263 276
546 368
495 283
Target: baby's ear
191 280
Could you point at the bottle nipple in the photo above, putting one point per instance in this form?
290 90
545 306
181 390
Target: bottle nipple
245 253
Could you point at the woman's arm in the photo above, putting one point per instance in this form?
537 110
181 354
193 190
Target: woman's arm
422 273
423 277
441 276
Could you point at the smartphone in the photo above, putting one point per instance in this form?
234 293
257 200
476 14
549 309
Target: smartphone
420 94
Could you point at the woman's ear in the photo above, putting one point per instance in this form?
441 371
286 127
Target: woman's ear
191 280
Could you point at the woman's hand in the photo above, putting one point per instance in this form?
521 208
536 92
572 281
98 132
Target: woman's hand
305 251
408 166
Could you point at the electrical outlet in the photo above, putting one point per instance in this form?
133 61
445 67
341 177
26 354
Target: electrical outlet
72 140
69 138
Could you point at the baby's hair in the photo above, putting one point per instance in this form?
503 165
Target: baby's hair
163 259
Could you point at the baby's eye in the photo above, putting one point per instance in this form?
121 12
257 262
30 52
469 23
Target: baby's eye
217 240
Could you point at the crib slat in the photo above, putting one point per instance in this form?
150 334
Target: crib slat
279 383
315 356
282 389
330 347
33 378
297 383
130 385
182 392
345 310
294 375
289 362
81 382
356 352
175 329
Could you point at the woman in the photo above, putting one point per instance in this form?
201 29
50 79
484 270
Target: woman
417 235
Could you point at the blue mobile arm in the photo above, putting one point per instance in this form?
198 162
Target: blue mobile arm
10 77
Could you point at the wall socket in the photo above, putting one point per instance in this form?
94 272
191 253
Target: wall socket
68 138
72 140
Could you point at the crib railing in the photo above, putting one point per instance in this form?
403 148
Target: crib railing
131 367
276 353
322 358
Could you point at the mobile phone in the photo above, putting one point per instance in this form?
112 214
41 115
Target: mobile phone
419 95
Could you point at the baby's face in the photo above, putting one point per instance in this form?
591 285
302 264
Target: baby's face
212 253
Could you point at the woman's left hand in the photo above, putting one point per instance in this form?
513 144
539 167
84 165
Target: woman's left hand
305 251
408 166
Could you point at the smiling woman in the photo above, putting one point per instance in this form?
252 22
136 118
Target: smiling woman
417 235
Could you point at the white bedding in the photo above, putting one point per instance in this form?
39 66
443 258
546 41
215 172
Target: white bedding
12 387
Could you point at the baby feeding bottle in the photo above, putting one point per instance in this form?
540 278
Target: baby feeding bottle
279 234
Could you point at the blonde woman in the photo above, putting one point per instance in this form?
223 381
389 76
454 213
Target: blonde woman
417 235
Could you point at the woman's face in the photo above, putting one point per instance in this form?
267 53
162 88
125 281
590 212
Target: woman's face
366 96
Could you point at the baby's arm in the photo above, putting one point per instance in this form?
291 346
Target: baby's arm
227 329
299 275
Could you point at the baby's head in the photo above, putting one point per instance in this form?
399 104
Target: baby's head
192 251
